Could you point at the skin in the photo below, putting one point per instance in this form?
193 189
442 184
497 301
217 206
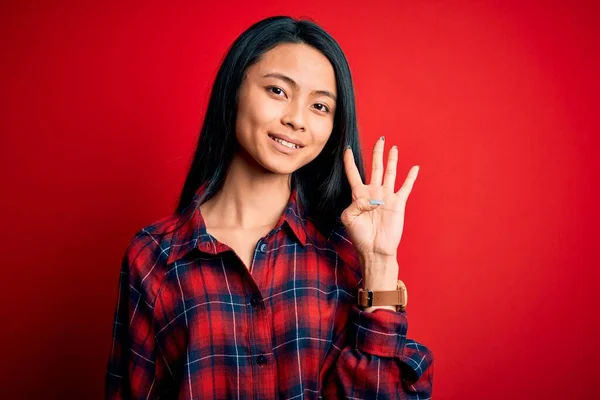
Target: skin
291 91
268 102
376 230
240 214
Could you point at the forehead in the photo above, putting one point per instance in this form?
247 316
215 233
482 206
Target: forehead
304 64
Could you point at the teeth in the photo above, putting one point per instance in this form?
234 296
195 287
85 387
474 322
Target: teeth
286 144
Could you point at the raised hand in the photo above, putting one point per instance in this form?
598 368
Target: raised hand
375 218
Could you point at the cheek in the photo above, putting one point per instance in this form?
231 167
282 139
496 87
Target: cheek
322 131
265 112
255 115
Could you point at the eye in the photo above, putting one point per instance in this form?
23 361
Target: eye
322 107
276 90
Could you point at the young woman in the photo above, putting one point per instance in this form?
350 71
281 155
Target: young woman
276 277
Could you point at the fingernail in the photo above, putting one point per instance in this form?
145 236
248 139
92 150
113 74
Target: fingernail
382 138
375 202
349 147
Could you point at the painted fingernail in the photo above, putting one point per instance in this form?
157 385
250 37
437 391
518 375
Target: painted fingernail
375 202
382 138
349 147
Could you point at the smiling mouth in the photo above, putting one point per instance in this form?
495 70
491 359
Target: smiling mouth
285 143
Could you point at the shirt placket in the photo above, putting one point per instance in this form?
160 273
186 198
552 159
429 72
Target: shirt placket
264 369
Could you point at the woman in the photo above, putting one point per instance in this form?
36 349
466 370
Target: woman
251 288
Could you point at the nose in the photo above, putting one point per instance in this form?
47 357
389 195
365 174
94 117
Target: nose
294 117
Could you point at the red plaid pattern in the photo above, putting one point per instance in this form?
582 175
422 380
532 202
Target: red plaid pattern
193 322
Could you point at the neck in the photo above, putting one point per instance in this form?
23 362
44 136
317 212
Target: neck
251 197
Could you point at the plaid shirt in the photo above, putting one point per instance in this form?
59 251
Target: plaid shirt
193 322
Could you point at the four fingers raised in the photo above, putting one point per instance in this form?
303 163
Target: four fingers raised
377 172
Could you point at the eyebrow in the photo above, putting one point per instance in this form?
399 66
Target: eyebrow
295 85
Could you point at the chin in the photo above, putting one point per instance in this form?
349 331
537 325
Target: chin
279 168
278 165
273 162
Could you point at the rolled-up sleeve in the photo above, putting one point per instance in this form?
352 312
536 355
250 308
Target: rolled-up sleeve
373 358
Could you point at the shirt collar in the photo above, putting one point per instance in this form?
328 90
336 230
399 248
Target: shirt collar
191 232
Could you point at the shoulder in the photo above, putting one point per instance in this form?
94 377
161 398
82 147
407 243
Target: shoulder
146 254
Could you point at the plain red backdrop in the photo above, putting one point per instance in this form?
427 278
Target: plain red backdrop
497 101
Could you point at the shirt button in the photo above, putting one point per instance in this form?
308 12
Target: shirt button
263 248
261 360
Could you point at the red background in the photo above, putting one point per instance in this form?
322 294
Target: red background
497 101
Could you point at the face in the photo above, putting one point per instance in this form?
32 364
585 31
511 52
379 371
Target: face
286 107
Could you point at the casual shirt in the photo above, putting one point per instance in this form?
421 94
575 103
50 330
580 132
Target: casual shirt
192 322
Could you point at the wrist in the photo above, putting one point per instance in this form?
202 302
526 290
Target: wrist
371 309
380 271
393 300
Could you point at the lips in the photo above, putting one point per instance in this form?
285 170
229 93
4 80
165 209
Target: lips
288 139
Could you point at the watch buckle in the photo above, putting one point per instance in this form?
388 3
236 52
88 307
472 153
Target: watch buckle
369 298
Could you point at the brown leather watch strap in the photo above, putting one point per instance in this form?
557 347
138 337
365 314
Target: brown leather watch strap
398 298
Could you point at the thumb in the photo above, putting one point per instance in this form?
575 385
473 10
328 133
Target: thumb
361 205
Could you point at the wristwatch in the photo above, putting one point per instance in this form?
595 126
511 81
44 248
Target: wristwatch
398 297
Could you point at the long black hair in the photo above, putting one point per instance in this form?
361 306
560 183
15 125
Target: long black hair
322 186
